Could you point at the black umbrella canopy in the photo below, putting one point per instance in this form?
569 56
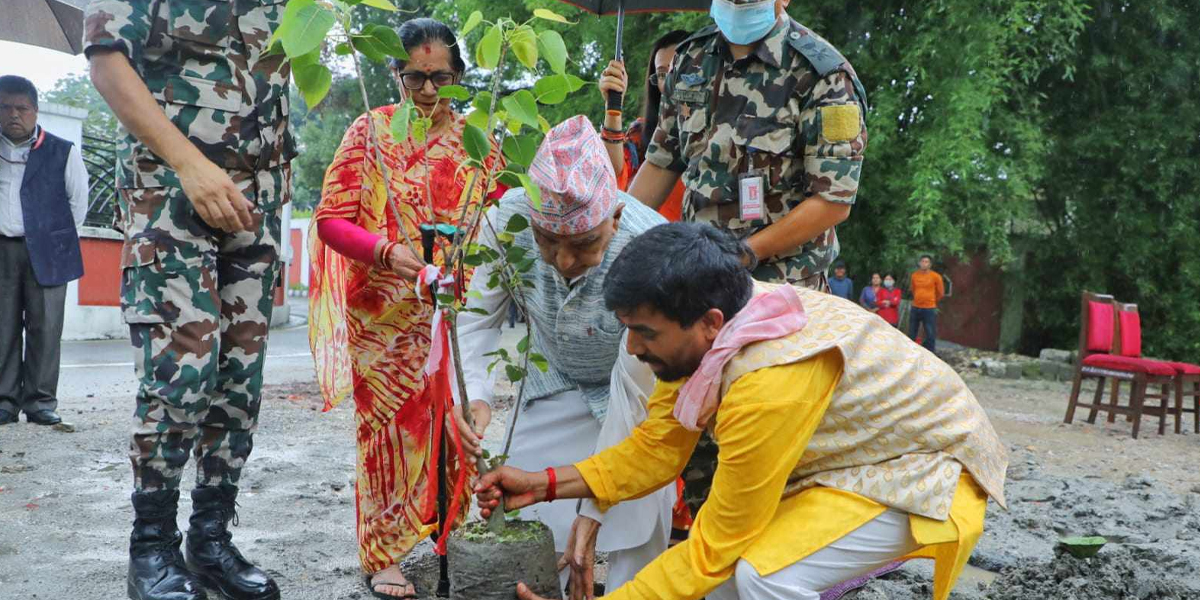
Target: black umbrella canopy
47 23
619 8
612 7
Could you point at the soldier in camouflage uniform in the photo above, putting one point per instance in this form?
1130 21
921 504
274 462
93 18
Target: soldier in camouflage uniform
204 173
787 110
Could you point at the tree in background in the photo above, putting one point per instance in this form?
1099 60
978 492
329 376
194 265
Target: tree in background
1119 192
77 91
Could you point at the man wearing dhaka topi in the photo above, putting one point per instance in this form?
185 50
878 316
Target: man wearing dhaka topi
835 458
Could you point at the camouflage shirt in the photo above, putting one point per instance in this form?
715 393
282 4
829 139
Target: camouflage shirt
205 63
792 110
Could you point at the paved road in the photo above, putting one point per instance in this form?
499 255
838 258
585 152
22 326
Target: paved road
105 367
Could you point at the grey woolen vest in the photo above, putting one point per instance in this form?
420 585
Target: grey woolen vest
571 328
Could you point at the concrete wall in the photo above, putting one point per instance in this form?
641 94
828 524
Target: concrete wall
64 121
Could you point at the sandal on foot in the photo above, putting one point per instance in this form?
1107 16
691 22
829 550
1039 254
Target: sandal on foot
385 596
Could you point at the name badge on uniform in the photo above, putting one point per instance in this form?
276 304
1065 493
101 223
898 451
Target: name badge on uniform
689 88
750 195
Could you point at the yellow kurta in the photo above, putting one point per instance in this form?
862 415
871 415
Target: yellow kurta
763 425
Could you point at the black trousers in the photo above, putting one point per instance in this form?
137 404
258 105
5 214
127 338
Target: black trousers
29 366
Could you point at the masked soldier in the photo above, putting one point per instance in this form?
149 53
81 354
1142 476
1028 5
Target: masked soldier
204 173
764 121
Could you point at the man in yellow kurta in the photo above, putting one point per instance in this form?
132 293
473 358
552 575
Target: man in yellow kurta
843 446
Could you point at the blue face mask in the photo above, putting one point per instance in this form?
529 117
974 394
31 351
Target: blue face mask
744 24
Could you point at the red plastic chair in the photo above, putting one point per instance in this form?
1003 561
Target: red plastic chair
1187 376
1098 335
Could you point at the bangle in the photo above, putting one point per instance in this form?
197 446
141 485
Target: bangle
551 485
607 129
381 249
608 141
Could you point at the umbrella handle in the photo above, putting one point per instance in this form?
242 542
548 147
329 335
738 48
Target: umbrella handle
615 101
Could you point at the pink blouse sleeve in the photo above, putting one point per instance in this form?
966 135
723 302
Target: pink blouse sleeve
348 239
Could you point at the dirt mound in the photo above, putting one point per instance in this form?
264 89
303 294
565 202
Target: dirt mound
1122 573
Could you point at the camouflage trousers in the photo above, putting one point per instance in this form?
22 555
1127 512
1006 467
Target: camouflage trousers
198 303
698 474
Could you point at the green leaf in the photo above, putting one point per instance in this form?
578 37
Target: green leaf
474 294
514 373
535 195
400 121
543 124
343 49
505 237
514 254
522 106
539 361
509 178
516 224
446 299
550 15
552 89
377 42
314 82
478 118
380 4
487 51
482 101
420 129
475 142
525 265
554 50
523 345
575 82
304 27
473 21
524 44
520 149
454 92
311 58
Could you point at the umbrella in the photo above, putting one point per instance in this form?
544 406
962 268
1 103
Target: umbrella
52 24
620 7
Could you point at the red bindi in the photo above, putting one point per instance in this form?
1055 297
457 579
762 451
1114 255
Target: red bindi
428 49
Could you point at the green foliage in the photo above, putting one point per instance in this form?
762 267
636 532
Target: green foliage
1120 200
77 91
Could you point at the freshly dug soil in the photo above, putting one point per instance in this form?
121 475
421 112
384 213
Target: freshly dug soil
485 566
1122 573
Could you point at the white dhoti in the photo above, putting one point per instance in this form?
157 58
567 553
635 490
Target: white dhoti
881 541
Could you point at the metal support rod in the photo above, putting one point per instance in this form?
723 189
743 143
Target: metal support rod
617 100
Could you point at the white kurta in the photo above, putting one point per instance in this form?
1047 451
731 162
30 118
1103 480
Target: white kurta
561 430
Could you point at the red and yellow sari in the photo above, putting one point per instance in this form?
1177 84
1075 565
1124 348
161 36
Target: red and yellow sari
369 332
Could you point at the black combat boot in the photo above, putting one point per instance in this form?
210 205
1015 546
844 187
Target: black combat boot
211 555
156 569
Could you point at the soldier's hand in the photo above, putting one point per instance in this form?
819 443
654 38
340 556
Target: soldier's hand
216 198
481 414
405 263
614 79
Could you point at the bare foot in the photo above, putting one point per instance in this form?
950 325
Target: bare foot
391 582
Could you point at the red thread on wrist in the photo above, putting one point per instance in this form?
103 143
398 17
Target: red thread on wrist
551 485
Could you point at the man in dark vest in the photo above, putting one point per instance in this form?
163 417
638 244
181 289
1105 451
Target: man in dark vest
43 199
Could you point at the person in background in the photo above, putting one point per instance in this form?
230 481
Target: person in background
368 328
840 285
43 201
869 293
927 290
887 300
627 148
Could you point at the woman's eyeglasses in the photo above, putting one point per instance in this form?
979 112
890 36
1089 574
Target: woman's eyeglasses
415 80
657 78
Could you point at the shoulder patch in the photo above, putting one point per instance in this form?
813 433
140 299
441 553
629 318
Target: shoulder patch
840 122
824 58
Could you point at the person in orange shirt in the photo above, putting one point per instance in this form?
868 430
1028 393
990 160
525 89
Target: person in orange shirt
927 290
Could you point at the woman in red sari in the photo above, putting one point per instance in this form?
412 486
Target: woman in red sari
368 328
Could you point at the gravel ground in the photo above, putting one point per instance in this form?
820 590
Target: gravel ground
65 509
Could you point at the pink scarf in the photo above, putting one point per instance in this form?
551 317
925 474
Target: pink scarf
766 317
